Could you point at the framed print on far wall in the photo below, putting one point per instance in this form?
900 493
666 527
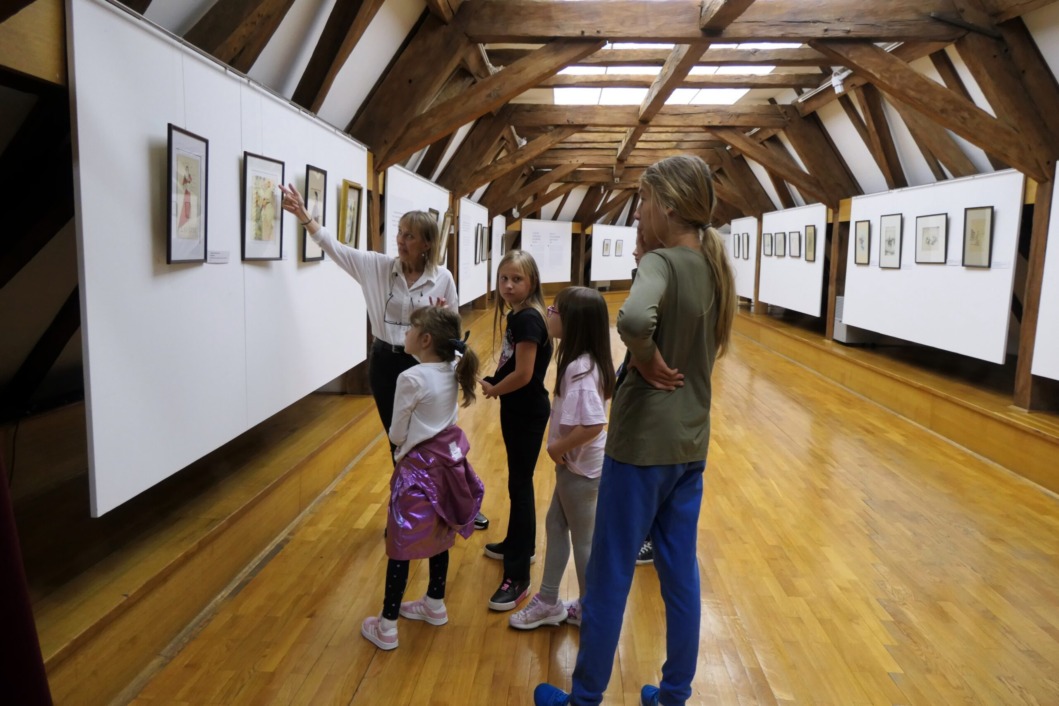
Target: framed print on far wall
795 249
737 245
862 242
316 205
349 213
188 160
477 243
891 240
779 244
810 243
746 246
978 237
436 215
262 217
606 247
932 239
618 247
766 244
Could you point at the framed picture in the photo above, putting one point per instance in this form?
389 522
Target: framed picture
737 245
891 239
766 244
978 237
618 247
443 236
606 247
316 205
188 160
780 244
478 244
349 213
861 242
262 217
795 249
746 246
436 215
932 239
810 243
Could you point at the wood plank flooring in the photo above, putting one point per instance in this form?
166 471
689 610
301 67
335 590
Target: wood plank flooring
847 557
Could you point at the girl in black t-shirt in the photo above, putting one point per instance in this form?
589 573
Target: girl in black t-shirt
524 411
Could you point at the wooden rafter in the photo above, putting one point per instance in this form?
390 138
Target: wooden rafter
516 159
487 95
743 182
536 185
880 139
776 80
345 26
236 31
714 56
715 15
544 199
616 203
781 187
472 151
429 164
497 193
605 158
940 104
776 162
444 10
676 116
677 21
937 140
9 8
951 78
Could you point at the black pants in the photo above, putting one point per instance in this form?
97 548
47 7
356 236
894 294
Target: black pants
384 366
523 432
397 581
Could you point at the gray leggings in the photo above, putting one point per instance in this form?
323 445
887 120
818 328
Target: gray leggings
571 519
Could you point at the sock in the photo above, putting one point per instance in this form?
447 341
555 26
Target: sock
387 626
434 604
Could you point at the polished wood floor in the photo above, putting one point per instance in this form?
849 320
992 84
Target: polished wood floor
847 557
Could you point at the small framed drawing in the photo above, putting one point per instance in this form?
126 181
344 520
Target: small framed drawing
436 215
780 244
188 160
766 244
861 242
477 244
737 245
349 213
316 205
891 239
262 217
932 239
606 247
746 246
810 243
618 247
795 249
978 237
443 235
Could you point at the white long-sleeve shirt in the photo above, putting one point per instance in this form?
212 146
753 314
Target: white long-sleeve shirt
423 406
389 299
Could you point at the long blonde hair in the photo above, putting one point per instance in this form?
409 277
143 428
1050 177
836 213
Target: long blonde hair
684 185
423 224
526 265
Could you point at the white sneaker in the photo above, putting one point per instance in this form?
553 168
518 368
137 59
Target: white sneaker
371 629
538 613
419 610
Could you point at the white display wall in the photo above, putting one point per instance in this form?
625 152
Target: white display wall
745 265
612 248
473 263
794 282
1046 350
180 359
549 243
407 191
960 309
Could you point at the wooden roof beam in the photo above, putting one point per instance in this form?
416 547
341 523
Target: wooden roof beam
444 10
472 151
673 116
544 199
782 165
715 15
952 79
537 185
778 80
516 159
928 134
236 31
714 56
879 137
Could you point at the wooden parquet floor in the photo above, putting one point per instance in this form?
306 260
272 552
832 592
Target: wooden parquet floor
847 557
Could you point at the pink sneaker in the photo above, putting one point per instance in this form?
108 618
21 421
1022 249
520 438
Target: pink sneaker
371 629
419 610
538 613
573 611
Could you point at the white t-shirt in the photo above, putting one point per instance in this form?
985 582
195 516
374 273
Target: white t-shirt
581 403
424 405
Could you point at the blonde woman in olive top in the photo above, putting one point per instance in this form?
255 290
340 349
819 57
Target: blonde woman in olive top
676 322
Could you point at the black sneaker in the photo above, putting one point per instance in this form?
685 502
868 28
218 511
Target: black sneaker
647 553
495 550
481 522
510 594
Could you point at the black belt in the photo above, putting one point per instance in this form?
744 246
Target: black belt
388 347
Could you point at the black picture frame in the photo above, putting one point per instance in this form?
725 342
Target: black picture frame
810 243
891 241
794 245
862 242
766 244
187 202
932 239
978 237
262 229
316 206
746 246
779 245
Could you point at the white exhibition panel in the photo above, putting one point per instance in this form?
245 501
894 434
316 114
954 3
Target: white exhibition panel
947 306
794 283
407 191
474 279
607 242
180 359
549 242
497 235
745 269
1046 349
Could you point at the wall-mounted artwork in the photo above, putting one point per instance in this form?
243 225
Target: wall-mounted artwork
349 213
606 247
795 249
477 243
188 160
618 247
779 244
766 244
746 246
810 243
932 239
978 237
436 215
862 242
316 206
737 245
262 217
891 239
443 235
